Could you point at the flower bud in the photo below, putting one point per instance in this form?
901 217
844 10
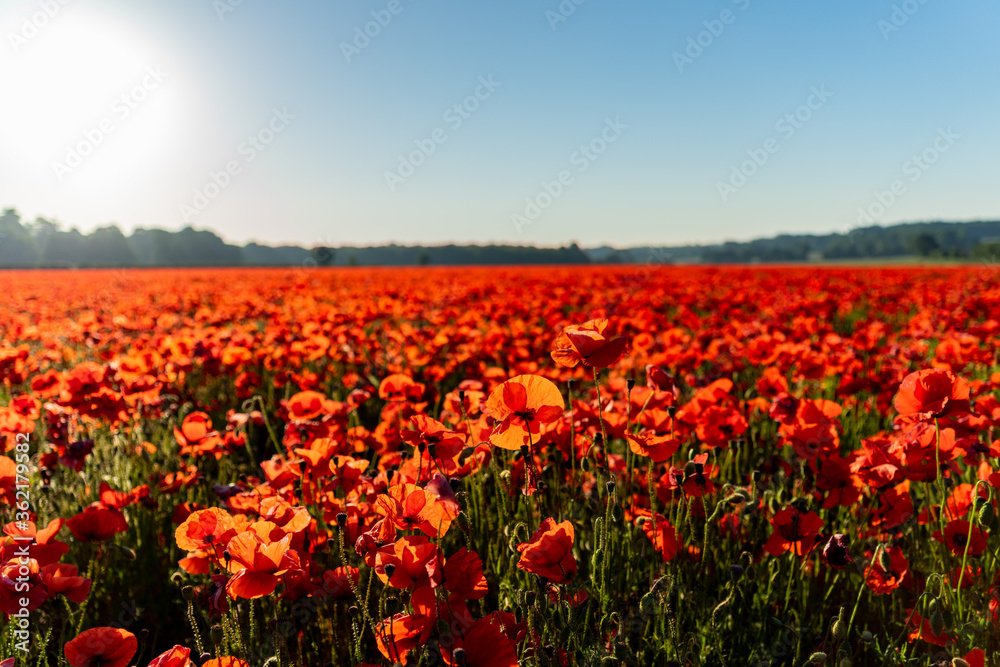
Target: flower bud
188 593
884 561
817 658
937 622
838 631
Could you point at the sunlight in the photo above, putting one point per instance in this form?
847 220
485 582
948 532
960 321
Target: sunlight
95 104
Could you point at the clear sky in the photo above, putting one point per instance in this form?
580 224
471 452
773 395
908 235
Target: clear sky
624 122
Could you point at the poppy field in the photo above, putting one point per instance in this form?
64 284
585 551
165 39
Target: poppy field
490 467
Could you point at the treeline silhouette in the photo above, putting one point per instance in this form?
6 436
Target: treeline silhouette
43 244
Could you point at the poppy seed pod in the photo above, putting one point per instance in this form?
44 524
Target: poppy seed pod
458 656
353 610
204 657
735 572
672 410
188 593
866 636
630 383
390 569
341 519
610 485
461 395
216 634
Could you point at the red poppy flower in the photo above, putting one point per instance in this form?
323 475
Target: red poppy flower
397 388
882 581
957 538
337 583
520 406
415 563
398 635
306 405
658 448
932 393
410 507
96 524
430 432
795 531
178 656
586 344
923 630
666 540
101 647
206 530
484 645
463 575
258 564
718 425
549 552
225 661
62 579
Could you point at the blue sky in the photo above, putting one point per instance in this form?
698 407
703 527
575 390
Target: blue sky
625 122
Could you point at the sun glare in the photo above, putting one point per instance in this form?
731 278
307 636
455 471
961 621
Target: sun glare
94 103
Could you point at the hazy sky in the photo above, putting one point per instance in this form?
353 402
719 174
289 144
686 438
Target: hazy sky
524 121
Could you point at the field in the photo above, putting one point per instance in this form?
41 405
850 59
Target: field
500 466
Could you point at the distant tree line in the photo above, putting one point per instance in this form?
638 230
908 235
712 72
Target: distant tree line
44 244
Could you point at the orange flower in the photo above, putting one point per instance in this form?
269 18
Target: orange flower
306 405
258 564
931 393
586 344
208 529
657 447
549 552
463 575
178 656
520 406
101 647
484 644
225 661
882 581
